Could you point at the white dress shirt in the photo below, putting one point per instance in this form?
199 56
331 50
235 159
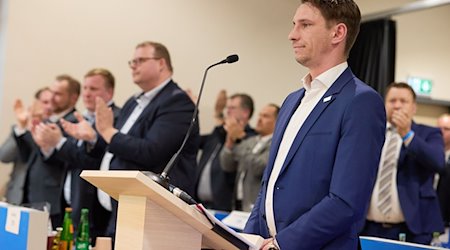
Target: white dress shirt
395 215
314 91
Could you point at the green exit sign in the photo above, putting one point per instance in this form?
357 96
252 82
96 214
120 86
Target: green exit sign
420 85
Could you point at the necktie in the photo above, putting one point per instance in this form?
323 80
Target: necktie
387 169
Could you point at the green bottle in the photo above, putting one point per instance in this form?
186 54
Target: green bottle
82 240
66 240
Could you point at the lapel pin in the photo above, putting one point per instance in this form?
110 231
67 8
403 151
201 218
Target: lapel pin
327 99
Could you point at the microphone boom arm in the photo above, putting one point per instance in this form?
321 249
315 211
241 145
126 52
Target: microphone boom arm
163 178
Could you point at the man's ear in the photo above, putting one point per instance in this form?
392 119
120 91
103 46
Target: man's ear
339 33
414 109
162 63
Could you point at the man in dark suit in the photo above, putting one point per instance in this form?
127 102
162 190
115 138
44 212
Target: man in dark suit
151 125
327 140
214 186
44 182
79 193
403 199
443 188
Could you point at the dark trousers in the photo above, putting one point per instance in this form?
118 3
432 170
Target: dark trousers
57 220
100 219
392 231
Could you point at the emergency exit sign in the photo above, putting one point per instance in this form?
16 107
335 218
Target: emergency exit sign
420 85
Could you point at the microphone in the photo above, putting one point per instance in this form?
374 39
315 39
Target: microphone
230 59
163 178
174 190
182 195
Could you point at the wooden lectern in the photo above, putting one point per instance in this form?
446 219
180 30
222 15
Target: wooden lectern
150 217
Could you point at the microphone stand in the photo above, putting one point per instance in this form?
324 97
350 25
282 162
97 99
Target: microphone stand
163 178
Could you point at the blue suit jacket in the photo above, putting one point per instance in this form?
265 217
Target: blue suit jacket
324 186
417 166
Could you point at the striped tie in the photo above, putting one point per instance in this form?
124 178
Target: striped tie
386 172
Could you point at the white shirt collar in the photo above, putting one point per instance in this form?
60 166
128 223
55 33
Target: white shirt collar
265 138
57 117
325 79
151 93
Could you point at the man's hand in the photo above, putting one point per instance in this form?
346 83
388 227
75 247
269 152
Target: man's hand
47 135
221 102
268 244
81 130
235 130
402 121
104 120
22 114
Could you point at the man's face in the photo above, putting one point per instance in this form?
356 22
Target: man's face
145 67
235 110
444 125
266 121
45 99
399 100
310 36
94 86
61 97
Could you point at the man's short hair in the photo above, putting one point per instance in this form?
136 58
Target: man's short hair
160 52
73 85
340 11
277 108
400 85
39 92
106 74
246 102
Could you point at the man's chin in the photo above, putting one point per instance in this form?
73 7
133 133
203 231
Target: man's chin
303 61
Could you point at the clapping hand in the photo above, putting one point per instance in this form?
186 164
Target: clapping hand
81 130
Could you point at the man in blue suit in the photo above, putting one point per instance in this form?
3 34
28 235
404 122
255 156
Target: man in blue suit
327 141
410 205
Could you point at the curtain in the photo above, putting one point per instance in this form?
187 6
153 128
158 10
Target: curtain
372 58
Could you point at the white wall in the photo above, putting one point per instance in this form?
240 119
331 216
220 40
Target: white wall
44 38
423 48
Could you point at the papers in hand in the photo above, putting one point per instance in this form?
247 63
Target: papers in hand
236 219
253 242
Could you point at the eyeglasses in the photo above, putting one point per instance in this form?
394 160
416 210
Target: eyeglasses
140 60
